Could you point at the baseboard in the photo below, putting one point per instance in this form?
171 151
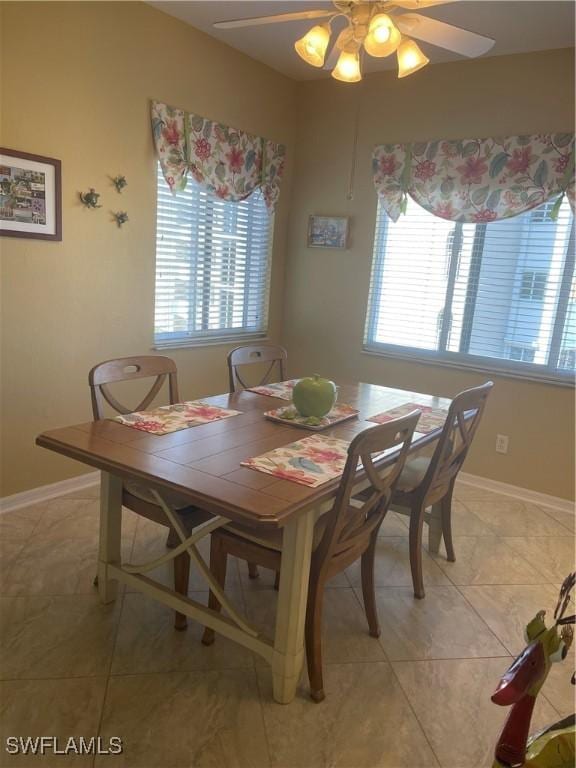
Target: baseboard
46 492
51 491
524 494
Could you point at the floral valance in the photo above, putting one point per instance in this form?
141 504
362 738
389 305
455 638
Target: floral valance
475 180
229 163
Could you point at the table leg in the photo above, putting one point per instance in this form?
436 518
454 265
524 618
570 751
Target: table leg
110 534
435 528
288 655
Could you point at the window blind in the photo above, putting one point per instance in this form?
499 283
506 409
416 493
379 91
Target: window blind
499 296
212 266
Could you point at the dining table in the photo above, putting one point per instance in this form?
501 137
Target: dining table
202 464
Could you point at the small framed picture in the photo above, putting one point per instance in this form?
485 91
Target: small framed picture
328 232
30 196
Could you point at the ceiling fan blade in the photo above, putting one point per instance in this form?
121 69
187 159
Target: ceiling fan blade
337 46
259 20
444 35
418 5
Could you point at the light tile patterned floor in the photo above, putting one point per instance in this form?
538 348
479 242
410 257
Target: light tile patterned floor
418 697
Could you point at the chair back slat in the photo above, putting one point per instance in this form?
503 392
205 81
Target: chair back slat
130 369
353 521
356 531
464 416
253 354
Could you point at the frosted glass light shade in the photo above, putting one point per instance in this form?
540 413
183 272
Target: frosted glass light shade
410 58
312 47
383 36
347 68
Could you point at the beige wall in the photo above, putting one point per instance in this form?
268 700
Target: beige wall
81 93
325 303
77 80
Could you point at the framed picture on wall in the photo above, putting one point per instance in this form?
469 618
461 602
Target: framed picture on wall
328 232
30 196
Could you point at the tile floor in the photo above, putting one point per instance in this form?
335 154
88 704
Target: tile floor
416 698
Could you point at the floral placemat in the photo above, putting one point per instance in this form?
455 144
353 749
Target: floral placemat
289 415
312 461
171 418
282 389
431 418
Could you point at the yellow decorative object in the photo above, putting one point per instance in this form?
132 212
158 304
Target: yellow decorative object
312 47
410 58
383 36
553 747
348 67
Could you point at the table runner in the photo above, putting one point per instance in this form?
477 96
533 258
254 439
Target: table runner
312 461
282 389
172 418
431 418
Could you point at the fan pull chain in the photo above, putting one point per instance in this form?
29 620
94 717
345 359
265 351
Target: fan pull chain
352 177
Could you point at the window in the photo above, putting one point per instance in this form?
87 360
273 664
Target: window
567 359
212 266
533 285
497 296
543 212
516 352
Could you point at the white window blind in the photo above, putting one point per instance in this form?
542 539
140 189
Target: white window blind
497 296
212 266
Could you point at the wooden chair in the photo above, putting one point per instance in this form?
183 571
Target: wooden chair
341 536
138 497
252 354
429 482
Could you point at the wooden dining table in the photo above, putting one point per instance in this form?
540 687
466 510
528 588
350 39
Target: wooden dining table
202 464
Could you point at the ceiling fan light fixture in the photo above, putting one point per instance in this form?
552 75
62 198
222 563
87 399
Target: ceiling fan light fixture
383 36
312 47
410 58
347 69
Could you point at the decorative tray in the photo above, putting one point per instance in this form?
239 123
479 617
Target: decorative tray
289 415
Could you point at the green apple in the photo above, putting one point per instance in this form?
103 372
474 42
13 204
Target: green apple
314 396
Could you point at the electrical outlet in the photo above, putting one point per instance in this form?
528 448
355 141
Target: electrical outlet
501 443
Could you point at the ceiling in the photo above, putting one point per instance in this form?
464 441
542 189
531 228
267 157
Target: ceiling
516 25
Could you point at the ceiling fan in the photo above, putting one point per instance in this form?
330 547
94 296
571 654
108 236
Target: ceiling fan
377 28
